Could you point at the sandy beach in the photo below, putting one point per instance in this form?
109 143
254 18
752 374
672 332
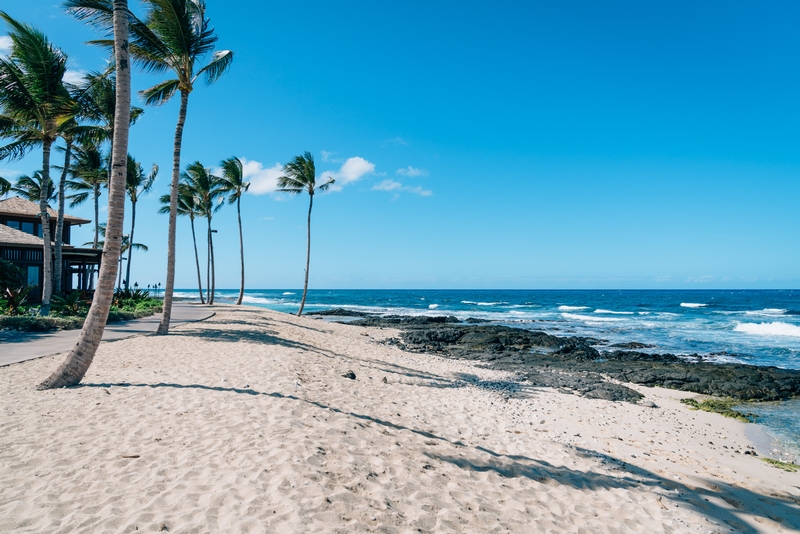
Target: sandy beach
244 422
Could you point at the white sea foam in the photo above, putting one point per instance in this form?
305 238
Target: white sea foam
613 312
589 318
692 305
775 328
481 303
259 300
643 313
433 306
573 308
288 293
766 311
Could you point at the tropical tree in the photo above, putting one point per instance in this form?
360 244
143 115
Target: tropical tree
188 205
80 357
34 104
299 175
233 184
88 171
30 188
137 184
5 186
126 246
174 37
207 188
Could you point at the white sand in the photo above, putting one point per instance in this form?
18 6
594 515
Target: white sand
243 423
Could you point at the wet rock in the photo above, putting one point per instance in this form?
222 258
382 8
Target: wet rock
632 345
350 374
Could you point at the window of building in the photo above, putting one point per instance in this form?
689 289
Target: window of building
27 227
33 275
13 224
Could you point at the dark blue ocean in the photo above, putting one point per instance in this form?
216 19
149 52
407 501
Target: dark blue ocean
748 326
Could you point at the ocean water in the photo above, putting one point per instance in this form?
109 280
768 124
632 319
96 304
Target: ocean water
747 326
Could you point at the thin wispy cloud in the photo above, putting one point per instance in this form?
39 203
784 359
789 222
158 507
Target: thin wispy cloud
262 179
397 141
397 187
74 76
411 171
326 156
5 45
352 170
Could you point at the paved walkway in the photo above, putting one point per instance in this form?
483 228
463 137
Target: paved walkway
20 346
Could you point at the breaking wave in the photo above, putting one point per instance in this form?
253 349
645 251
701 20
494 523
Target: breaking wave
692 305
776 328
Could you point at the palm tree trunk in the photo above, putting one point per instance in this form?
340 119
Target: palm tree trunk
80 357
308 256
59 269
241 247
169 288
47 282
130 247
197 261
208 262
96 191
119 273
213 273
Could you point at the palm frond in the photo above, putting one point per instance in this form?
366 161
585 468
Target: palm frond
160 93
218 66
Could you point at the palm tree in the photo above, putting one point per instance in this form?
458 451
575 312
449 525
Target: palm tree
175 36
234 185
80 357
5 186
299 175
187 206
89 175
126 246
137 184
207 187
34 104
30 188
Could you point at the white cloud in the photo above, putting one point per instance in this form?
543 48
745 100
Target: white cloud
352 170
411 171
5 45
262 180
74 76
396 141
326 155
387 185
397 187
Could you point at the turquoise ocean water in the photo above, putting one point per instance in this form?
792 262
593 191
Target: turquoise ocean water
755 327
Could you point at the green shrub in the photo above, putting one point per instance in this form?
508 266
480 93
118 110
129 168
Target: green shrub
12 300
37 323
10 276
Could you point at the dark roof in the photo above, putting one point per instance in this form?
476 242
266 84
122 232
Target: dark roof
20 206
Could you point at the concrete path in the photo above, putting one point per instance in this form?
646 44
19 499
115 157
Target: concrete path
20 346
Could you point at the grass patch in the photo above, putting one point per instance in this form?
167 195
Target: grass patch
722 407
786 466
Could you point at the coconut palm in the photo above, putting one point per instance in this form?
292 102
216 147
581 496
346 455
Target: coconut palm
34 104
187 206
137 184
299 175
175 36
88 171
126 246
30 188
5 186
234 186
207 188
80 357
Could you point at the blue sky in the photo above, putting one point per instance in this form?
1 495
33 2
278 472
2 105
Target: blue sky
511 145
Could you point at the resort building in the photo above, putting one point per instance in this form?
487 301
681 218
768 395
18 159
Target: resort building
21 244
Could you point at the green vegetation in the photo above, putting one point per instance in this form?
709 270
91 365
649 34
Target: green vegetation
722 407
69 312
786 466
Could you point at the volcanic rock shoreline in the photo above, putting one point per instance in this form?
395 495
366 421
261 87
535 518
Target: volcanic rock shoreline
575 365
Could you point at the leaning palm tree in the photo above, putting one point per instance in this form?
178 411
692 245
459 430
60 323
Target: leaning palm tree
234 185
299 175
34 104
88 171
80 357
174 37
188 205
207 188
30 188
137 184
